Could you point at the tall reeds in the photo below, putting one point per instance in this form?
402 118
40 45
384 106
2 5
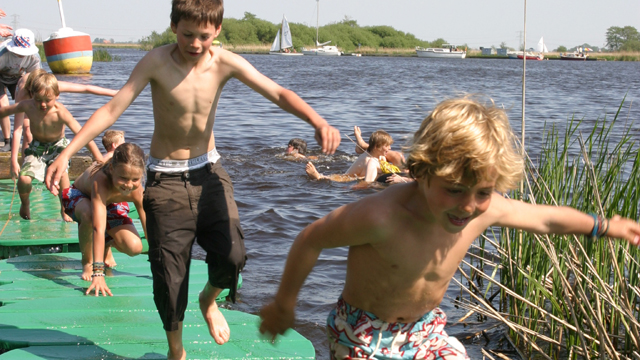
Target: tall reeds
568 297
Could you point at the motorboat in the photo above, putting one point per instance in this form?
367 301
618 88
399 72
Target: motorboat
446 52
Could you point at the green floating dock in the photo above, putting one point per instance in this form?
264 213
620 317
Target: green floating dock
44 313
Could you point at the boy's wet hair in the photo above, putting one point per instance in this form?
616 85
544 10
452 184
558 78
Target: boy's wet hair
110 137
463 140
128 154
379 138
299 145
43 83
32 76
199 11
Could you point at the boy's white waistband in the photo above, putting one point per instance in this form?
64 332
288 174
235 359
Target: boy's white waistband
173 166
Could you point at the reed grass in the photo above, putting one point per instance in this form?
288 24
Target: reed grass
104 55
568 297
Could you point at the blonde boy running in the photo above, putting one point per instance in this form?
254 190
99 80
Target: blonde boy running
188 194
403 255
48 120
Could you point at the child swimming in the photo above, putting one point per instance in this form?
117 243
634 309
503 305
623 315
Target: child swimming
98 202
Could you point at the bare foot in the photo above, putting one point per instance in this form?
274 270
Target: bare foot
87 271
25 212
183 357
109 261
312 172
218 327
65 217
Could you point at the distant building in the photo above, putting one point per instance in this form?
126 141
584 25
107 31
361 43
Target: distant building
502 52
488 51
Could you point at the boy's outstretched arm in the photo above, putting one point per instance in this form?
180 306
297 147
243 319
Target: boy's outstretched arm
348 225
326 135
102 119
546 219
65 86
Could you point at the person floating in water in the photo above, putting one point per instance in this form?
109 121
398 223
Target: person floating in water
368 166
184 168
297 149
98 202
403 255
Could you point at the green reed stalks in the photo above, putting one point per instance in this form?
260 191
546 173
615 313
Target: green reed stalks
104 55
572 296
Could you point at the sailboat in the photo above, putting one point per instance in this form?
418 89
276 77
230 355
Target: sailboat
542 48
322 49
283 44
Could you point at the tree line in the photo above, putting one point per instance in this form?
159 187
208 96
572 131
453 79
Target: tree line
346 34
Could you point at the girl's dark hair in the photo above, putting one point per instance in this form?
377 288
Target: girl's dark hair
127 153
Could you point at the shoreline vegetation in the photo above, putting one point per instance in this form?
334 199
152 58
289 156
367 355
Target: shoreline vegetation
565 297
392 52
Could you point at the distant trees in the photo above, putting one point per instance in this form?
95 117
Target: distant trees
561 48
346 34
623 38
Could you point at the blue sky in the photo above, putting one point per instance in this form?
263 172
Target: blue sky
476 23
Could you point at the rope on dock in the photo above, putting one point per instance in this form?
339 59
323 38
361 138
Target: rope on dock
13 196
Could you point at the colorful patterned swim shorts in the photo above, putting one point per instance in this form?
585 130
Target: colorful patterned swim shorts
39 155
117 213
358 334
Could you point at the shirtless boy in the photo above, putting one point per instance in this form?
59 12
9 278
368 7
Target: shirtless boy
461 156
111 140
48 120
183 169
366 167
22 123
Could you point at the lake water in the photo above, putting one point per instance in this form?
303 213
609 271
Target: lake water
276 199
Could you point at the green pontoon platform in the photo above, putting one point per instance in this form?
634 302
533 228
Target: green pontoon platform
44 313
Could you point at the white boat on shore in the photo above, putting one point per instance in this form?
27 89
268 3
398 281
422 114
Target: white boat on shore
321 49
283 44
445 52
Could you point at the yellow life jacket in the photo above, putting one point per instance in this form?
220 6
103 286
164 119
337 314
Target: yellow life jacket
387 167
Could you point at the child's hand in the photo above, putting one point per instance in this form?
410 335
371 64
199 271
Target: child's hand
54 173
15 170
329 138
276 319
622 228
100 285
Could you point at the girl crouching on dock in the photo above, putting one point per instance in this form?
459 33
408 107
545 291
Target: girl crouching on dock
97 201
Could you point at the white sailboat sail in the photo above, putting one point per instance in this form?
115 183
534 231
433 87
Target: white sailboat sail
541 46
286 41
276 43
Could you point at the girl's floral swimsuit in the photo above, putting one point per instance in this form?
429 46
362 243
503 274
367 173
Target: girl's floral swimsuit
117 213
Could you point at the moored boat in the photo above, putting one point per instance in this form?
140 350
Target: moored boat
445 52
68 51
322 49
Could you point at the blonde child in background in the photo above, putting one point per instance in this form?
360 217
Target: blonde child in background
21 123
98 202
48 120
403 255
111 140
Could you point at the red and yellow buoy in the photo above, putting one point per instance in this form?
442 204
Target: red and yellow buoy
68 51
